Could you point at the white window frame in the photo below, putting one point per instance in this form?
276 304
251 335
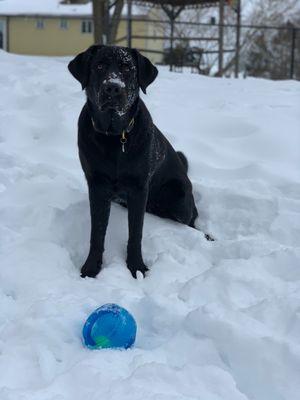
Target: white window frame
64 24
40 23
87 26
4 32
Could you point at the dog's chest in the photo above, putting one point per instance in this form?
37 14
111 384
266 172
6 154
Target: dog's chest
120 171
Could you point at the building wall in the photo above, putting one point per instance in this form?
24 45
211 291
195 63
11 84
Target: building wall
141 28
154 44
138 28
25 38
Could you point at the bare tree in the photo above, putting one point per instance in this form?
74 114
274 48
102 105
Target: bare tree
268 54
106 16
115 20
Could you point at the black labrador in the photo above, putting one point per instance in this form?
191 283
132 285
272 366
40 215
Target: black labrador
124 156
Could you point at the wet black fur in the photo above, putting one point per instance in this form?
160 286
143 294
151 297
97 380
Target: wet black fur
149 176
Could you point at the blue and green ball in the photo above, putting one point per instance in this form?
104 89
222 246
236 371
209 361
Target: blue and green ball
110 326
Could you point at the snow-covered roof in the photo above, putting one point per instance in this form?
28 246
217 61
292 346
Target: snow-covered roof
52 8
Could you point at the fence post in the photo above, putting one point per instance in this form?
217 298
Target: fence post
293 47
172 42
129 23
221 36
238 38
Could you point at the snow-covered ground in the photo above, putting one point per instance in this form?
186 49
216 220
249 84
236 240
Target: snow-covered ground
216 320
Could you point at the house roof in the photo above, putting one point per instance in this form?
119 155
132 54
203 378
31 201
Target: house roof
52 8
176 3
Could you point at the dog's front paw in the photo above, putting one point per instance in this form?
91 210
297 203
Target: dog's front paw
139 267
90 268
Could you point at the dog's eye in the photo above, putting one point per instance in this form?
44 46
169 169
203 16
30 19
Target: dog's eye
100 67
126 68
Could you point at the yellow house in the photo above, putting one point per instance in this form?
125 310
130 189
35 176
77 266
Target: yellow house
47 27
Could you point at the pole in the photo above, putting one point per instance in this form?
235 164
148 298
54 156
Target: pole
293 48
238 39
221 36
172 45
172 38
129 23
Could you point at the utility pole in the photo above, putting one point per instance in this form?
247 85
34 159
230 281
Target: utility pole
221 36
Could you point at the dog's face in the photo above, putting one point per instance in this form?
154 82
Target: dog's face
112 76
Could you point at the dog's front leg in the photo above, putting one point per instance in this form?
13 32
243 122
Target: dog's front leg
136 202
100 201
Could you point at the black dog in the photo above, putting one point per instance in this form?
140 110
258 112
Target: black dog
123 154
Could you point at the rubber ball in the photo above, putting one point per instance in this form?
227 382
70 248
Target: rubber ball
110 326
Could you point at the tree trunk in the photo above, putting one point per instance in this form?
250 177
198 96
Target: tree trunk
114 21
106 26
98 17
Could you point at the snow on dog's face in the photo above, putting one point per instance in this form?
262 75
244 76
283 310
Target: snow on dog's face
112 76
113 83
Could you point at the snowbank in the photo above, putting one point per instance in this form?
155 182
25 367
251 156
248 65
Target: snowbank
216 321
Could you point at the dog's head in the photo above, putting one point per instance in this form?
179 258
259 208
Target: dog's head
112 76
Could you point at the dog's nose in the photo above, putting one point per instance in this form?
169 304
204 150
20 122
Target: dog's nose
112 89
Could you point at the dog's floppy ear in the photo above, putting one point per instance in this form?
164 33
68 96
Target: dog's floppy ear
147 72
80 65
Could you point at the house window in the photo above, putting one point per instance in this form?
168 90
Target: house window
64 25
87 26
40 24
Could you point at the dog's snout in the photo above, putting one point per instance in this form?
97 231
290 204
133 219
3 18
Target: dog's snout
112 89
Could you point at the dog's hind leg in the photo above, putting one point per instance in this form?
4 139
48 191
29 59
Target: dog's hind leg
175 201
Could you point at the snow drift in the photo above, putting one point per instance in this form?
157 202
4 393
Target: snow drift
216 320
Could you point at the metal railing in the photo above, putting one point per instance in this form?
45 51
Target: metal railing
262 50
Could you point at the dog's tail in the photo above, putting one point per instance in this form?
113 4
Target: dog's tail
184 160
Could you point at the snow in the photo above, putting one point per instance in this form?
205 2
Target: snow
52 7
216 320
43 7
113 78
